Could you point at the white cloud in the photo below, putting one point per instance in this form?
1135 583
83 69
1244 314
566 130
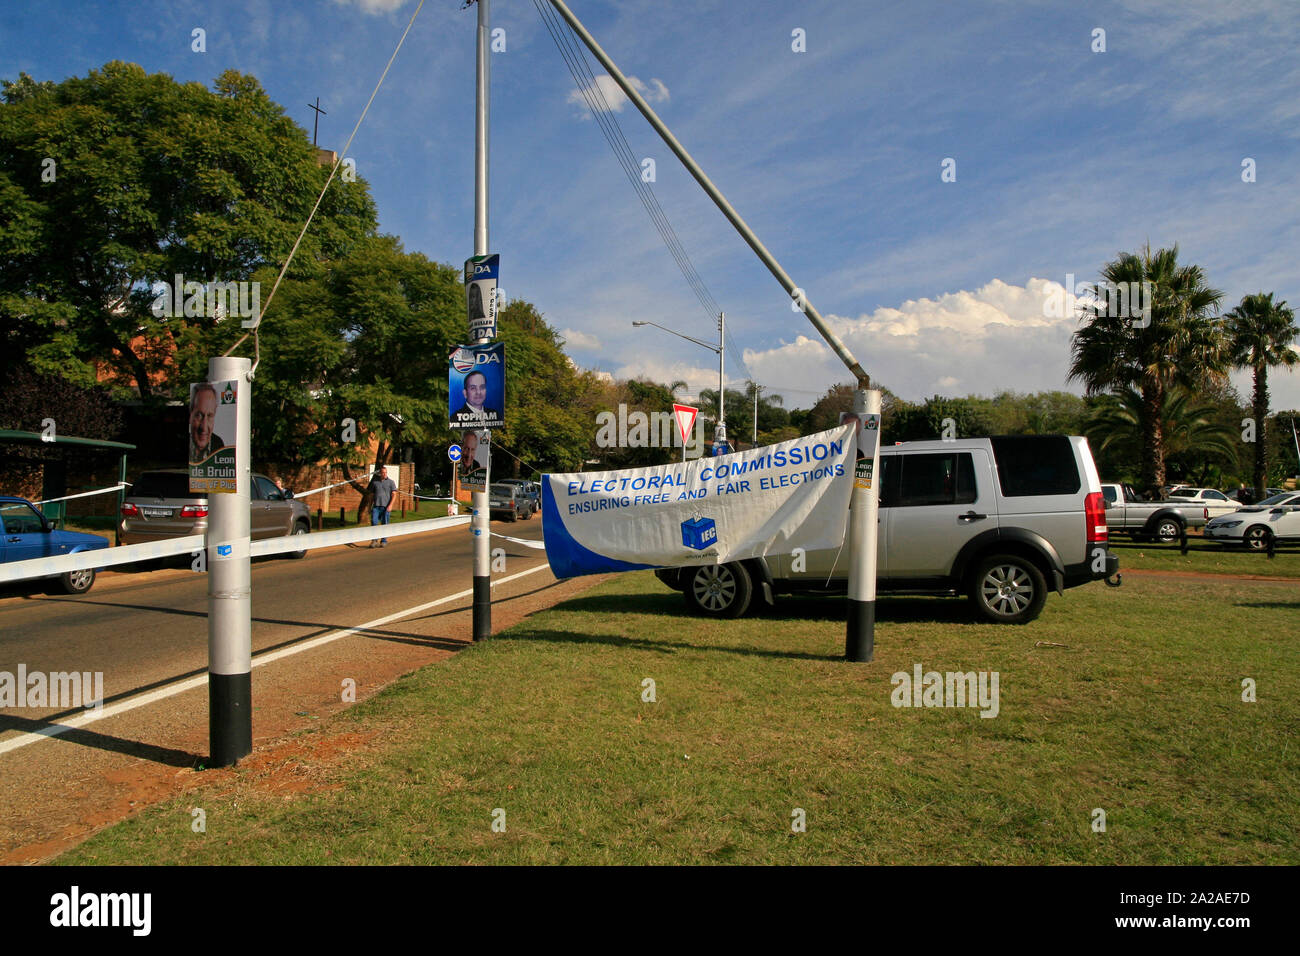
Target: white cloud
613 96
579 340
373 6
979 342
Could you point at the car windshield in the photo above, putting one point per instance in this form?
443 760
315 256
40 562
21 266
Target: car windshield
503 491
1184 493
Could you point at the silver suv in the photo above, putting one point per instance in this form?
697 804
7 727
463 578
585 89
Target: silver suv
161 506
1000 520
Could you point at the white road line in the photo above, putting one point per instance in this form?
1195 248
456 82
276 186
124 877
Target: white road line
267 657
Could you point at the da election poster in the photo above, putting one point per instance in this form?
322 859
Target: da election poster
481 273
213 425
767 500
476 386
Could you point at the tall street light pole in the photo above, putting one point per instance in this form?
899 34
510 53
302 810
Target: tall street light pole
482 600
720 432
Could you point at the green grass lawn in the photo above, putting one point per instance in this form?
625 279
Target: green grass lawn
1140 714
1203 558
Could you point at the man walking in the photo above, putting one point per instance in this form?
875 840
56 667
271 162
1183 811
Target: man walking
382 489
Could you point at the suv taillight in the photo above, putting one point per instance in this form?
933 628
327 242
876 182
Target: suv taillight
130 511
1094 516
194 511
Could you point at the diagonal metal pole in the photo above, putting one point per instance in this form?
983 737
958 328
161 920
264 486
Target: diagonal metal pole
833 340
860 637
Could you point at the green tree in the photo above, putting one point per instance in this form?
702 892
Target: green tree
1261 332
120 180
1181 342
549 403
1200 443
367 339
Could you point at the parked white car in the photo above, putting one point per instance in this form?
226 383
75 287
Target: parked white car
1255 526
1214 500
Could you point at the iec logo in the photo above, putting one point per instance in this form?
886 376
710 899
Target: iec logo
224 550
699 533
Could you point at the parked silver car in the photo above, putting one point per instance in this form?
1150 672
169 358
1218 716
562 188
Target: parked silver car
161 506
1001 520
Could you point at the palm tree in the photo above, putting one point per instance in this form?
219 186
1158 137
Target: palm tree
1193 431
1261 333
1182 343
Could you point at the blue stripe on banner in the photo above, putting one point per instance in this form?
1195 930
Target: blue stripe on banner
568 558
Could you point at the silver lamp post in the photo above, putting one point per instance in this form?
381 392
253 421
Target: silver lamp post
719 433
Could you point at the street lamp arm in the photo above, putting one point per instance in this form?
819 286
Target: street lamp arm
712 348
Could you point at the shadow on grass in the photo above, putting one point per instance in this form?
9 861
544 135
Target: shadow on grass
901 610
1286 604
658 646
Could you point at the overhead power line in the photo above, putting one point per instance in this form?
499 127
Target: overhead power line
576 60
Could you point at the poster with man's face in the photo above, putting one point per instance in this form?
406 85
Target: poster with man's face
476 450
212 422
476 386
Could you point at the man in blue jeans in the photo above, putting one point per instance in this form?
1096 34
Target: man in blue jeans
383 489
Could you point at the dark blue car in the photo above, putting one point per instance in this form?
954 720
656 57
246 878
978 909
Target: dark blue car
25 534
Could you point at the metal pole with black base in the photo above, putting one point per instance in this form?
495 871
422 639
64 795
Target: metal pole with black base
230 653
481 521
864 510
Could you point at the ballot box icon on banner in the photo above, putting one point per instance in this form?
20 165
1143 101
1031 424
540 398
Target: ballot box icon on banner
699 533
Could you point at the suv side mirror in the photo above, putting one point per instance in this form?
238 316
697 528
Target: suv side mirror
288 494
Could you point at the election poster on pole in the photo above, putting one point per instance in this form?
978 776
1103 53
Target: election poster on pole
213 413
476 386
481 274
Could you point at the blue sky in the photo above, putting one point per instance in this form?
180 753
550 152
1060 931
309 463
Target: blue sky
1064 157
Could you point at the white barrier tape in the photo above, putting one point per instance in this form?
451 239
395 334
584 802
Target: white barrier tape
329 539
84 494
539 545
106 557
316 491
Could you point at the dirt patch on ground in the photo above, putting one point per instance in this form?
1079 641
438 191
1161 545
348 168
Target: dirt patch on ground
72 803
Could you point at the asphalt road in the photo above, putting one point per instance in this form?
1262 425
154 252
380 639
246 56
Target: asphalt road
146 629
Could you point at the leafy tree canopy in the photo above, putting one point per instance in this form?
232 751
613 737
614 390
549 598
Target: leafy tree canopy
121 179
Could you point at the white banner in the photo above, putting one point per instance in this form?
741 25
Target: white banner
768 500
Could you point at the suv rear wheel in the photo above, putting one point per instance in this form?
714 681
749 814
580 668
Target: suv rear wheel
1008 589
722 590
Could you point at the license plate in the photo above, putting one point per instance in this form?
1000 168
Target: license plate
156 512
